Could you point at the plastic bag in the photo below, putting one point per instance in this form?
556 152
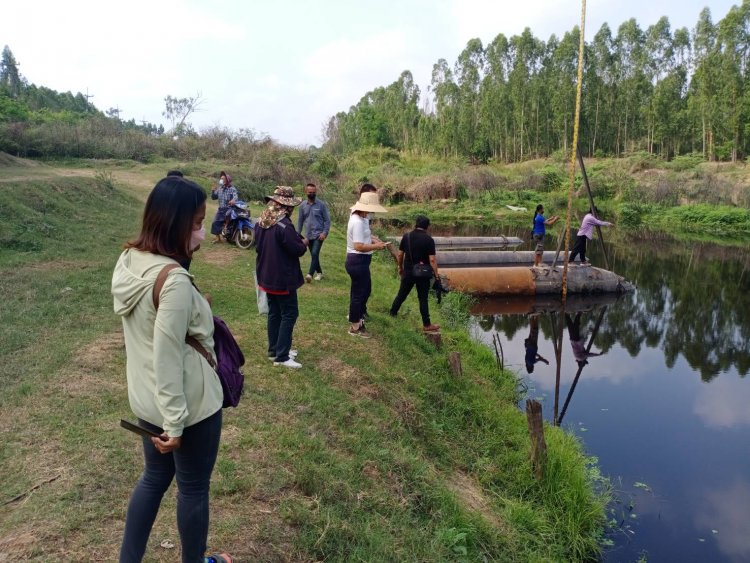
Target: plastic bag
262 298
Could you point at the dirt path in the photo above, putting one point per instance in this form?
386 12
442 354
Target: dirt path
138 182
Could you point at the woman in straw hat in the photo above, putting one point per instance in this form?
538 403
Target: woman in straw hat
360 242
279 249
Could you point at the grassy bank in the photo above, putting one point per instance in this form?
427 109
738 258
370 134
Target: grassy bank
372 451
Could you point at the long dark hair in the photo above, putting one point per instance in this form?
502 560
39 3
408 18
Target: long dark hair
538 210
168 218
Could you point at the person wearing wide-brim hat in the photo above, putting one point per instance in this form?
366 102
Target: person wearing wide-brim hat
360 243
277 267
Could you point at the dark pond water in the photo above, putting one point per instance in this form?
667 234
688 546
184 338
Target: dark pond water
655 385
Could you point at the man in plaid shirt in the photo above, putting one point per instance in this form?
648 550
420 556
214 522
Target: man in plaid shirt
227 194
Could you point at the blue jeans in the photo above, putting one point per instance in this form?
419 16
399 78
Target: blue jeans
358 268
282 316
315 245
192 464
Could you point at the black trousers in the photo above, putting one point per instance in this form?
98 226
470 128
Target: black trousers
358 268
423 292
579 249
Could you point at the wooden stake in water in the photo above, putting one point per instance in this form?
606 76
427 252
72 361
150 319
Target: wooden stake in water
536 433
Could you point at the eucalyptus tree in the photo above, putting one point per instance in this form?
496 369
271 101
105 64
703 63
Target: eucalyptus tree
659 62
10 79
446 94
526 53
561 84
733 40
494 102
601 83
401 107
706 79
634 84
469 71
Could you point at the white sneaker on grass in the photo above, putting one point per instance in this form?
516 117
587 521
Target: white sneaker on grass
318 276
292 354
290 363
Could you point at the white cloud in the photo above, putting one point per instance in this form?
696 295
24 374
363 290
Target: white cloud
728 512
723 402
487 18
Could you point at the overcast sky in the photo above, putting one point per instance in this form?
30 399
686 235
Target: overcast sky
281 67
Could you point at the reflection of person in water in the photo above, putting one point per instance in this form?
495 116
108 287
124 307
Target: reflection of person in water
532 346
576 342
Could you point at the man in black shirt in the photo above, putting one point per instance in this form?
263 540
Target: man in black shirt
417 248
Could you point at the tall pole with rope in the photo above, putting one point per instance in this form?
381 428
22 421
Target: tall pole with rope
573 150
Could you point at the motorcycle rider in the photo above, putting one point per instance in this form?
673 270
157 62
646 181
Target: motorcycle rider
227 194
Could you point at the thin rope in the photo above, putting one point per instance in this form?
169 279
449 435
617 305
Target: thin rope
573 150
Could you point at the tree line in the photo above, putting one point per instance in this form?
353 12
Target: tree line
21 102
656 90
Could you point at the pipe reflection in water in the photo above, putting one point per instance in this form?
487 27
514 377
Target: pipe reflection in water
559 315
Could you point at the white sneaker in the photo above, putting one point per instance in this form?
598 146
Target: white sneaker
292 354
290 363
308 278
318 276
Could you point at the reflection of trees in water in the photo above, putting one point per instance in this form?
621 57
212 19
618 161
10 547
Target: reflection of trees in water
692 302
695 303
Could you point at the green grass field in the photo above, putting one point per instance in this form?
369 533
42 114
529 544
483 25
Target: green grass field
372 451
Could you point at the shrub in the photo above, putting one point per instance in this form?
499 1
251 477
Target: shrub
552 178
440 186
454 309
630 216
476 180
104 179
641 161
325 165
611 181
685 162
708 187
720 220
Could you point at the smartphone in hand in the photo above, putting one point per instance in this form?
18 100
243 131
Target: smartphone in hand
140 430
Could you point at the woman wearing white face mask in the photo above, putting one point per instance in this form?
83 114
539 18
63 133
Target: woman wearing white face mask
172 388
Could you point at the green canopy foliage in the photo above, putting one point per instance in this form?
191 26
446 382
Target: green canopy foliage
656 90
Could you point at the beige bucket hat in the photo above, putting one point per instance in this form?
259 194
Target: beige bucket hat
370 202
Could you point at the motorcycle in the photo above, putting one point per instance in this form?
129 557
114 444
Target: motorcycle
239 225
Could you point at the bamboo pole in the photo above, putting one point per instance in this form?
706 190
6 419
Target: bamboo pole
591 204
576 125
580 367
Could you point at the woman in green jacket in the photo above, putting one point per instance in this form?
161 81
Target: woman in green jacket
172 389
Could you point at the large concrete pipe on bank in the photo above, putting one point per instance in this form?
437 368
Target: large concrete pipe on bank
470 242
519 280
478 258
